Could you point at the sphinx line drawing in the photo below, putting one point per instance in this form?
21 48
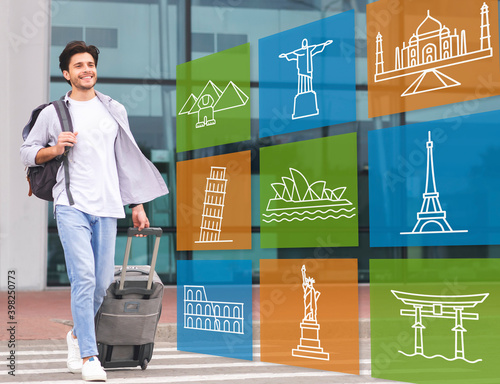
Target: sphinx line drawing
212 100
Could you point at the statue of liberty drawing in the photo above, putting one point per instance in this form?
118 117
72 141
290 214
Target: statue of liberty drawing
310 344
311 296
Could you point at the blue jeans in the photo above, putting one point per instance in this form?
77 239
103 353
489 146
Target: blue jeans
89 249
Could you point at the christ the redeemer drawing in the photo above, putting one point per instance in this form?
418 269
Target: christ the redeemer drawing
305 102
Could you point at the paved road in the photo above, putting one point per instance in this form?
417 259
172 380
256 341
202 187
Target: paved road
44 362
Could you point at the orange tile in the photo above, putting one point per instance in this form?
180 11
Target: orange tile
427 53
298 330
214 193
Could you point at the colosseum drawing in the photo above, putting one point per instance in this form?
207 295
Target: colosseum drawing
205 315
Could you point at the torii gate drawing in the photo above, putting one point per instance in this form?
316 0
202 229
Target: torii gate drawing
440 307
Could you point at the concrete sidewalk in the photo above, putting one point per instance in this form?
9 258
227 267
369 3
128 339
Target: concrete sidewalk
46 315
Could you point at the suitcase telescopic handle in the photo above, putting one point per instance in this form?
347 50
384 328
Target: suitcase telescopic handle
146 231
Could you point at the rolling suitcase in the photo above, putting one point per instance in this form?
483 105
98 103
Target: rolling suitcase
127 320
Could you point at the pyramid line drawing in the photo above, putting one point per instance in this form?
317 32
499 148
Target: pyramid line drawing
212 100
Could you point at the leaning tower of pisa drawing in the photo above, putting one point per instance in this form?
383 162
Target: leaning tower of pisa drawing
213 207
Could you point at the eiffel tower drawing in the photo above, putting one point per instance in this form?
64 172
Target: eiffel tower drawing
431 218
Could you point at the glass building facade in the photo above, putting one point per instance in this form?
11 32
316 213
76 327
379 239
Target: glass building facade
142 41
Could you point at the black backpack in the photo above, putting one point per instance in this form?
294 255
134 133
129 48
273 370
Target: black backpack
42 179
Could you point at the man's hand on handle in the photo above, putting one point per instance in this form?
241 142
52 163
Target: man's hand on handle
139 218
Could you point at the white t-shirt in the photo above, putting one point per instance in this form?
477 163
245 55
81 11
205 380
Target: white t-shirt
93 178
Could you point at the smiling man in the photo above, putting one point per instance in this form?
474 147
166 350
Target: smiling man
107 171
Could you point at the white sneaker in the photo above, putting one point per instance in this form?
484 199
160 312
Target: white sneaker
74 362
92 370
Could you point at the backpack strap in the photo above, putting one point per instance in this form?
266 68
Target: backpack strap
67 126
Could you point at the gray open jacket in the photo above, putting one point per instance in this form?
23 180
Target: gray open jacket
139 179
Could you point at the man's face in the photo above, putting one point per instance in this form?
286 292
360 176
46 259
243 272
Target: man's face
81 71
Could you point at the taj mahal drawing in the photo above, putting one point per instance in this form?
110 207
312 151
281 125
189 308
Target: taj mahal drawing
431 47
205 315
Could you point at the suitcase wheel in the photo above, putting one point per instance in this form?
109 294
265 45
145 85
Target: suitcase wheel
144 364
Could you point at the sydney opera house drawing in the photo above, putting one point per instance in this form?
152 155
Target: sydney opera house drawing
433 46
297 199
